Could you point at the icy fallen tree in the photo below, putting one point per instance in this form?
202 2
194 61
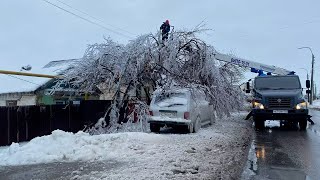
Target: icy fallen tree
182 60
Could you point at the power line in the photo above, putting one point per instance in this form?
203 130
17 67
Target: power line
88 20
95 18
23 79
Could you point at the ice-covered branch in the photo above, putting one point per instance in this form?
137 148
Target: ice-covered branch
182 60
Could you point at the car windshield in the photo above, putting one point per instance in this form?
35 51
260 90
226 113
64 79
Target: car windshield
169 99
277 83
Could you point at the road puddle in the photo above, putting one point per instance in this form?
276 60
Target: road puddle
268 162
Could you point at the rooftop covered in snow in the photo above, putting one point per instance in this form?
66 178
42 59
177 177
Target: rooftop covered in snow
20 84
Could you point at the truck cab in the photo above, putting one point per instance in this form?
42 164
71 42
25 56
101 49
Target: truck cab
278 97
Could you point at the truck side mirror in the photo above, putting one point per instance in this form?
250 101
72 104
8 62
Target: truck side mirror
308 83
308 91
248 87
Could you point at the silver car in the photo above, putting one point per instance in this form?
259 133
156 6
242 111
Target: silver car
180 107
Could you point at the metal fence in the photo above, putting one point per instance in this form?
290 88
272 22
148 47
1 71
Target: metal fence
22 123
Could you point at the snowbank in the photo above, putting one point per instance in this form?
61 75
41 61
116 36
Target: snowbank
65 146
217 151
315 104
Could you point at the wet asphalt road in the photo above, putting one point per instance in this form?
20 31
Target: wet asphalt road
288 153
285 153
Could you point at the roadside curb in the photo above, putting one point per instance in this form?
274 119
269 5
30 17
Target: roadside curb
315 108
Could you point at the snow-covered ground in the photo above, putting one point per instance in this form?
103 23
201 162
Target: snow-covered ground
315 104
215 152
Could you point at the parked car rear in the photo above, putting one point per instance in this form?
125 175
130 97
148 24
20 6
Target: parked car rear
180 107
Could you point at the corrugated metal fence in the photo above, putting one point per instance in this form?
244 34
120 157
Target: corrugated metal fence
22 123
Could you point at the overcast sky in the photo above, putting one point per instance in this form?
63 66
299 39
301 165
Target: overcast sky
268 31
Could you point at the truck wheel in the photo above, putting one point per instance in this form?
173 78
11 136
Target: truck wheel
154 127
259 123
303 124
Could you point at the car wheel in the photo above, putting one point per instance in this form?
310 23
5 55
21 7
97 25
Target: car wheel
303 124
197 125
154 127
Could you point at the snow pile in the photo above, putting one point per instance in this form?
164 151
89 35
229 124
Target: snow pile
315 104
251 166
217 151
65 146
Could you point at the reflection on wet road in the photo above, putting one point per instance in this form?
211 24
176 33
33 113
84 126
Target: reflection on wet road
288 153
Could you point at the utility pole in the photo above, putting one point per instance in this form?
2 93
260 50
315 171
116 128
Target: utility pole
308 94
312 85
28 74
315 91
312 72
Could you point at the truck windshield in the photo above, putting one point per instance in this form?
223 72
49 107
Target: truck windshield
277 82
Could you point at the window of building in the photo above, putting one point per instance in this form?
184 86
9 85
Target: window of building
11 103
60 102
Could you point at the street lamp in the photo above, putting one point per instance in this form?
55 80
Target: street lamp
307 79
312 64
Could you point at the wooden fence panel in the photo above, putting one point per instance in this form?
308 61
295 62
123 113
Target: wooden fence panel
23 123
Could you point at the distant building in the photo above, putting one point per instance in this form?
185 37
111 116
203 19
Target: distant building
45 95
26 91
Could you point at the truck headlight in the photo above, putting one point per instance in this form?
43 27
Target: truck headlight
258 105
302 105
